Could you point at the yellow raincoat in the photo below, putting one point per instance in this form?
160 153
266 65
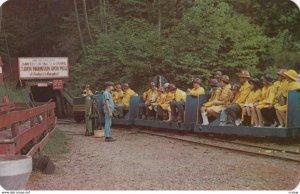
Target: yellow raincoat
169 96
117 96
126 97
197 91
267 97
242 94
214 97
291 86
224 98
148 95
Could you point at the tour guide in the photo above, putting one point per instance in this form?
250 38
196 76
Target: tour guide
108 109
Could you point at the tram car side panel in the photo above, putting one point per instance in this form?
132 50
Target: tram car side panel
293 113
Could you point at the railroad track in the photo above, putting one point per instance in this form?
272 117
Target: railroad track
242 148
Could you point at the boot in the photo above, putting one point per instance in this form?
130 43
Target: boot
109 139
204 118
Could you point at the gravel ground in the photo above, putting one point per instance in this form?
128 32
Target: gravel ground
139 161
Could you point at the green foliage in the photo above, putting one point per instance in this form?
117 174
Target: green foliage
57 144
13 95
133 40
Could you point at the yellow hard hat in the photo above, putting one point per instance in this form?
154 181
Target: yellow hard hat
292 74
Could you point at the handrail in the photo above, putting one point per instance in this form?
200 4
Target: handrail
32 126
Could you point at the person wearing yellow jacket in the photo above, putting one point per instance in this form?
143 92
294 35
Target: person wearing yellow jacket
223 99
161 98
149 97
197 90
177 103
280 86
165 106
117 94
87 91
291 76
234 110
216 92
264 108
254 96
125 102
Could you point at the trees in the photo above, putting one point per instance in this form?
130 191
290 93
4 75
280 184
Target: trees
130 40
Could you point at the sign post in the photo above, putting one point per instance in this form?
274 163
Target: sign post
43 68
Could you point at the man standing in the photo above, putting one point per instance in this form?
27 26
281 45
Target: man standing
108 110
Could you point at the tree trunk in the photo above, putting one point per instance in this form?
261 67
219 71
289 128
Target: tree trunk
79 28
105 16
87 20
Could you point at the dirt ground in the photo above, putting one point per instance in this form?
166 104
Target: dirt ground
142 162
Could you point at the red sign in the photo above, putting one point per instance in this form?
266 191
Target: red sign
58 84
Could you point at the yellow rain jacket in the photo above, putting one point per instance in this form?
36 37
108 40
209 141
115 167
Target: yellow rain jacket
160 99
242 94
169 96
214 97
267 97
223 98
87 93
117 96
253 97
148 95
197 91
126 97
280 87
180 95
291 86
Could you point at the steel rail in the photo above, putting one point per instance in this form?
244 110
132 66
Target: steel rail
219 147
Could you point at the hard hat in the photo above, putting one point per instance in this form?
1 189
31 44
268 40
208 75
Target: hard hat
197 80
166 85
225 78
244 74
214 83
172 87
292 74
255 81
281 72
267 78
218 74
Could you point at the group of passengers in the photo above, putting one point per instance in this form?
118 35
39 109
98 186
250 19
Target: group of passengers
253 102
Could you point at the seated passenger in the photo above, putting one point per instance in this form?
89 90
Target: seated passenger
218 76
125 102
149 97
234 92
87 91
233 111
216 92
254 96
264 108
223 99
281 109
157 106
197 90
117 95
177 104
165 106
